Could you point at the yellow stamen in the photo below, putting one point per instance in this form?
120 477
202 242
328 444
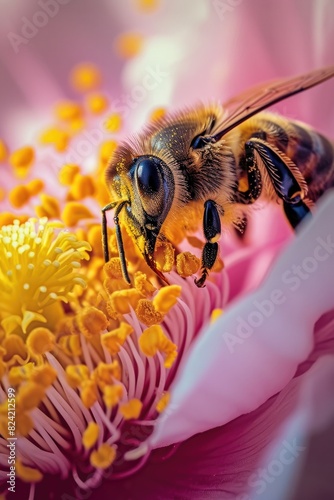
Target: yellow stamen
97 103
157 114
122 301
90 435
129 45
82 186
103 457
30 395
95 240
113 123
187 264
55 137
85 77
112 394
143 285
106 150
166 298
216 313
74 212
163 402
115 339
35 186
44 375
131 409
88 393
153 339
76 374
164 256
40 341
18 374
21 160
27 474
91 321
70 344
24 423
15 348
68 110
3 151
67 174
106 373
49 207
19 196
147 313
7 218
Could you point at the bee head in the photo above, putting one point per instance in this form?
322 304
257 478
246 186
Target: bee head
151 197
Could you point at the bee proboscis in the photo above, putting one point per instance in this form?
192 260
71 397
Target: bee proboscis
213 163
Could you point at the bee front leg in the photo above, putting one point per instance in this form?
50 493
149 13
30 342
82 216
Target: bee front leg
212 232
286 178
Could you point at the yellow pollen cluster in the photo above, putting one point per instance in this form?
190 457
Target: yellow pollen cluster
39 262
154 340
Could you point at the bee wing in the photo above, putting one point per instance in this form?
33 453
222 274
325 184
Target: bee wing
240 108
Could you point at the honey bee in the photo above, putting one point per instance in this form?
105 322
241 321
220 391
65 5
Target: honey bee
211 163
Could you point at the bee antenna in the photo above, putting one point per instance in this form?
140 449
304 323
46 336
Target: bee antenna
120 246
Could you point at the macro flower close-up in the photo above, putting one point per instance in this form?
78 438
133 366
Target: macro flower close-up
166 254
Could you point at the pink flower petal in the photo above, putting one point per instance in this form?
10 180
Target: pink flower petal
233 369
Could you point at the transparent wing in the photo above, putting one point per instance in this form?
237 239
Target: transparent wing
240 108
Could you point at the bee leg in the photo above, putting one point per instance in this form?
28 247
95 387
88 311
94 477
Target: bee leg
287 180
212 231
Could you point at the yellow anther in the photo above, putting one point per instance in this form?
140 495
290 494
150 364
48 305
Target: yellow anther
18 374
35 186
113 123
91 321
243 184
143 285
55 137
106 373
131 409
85 77
76 374
27 474
147 5
19 196
95 240
164 256
106 150
3 151
97 103
21 160
44 375
122 301
30 395
67 174
216 313
112 268
129 45
14 346
103 457
112 395
147 313
71 345
68 110
187 264
24 423
218 266
74 212
7 218
163 402
115 339
40 340
88 393
90 435
157 114
166 298
82 186
153 339
49 207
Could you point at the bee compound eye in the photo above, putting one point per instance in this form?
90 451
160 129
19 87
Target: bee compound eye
148 176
